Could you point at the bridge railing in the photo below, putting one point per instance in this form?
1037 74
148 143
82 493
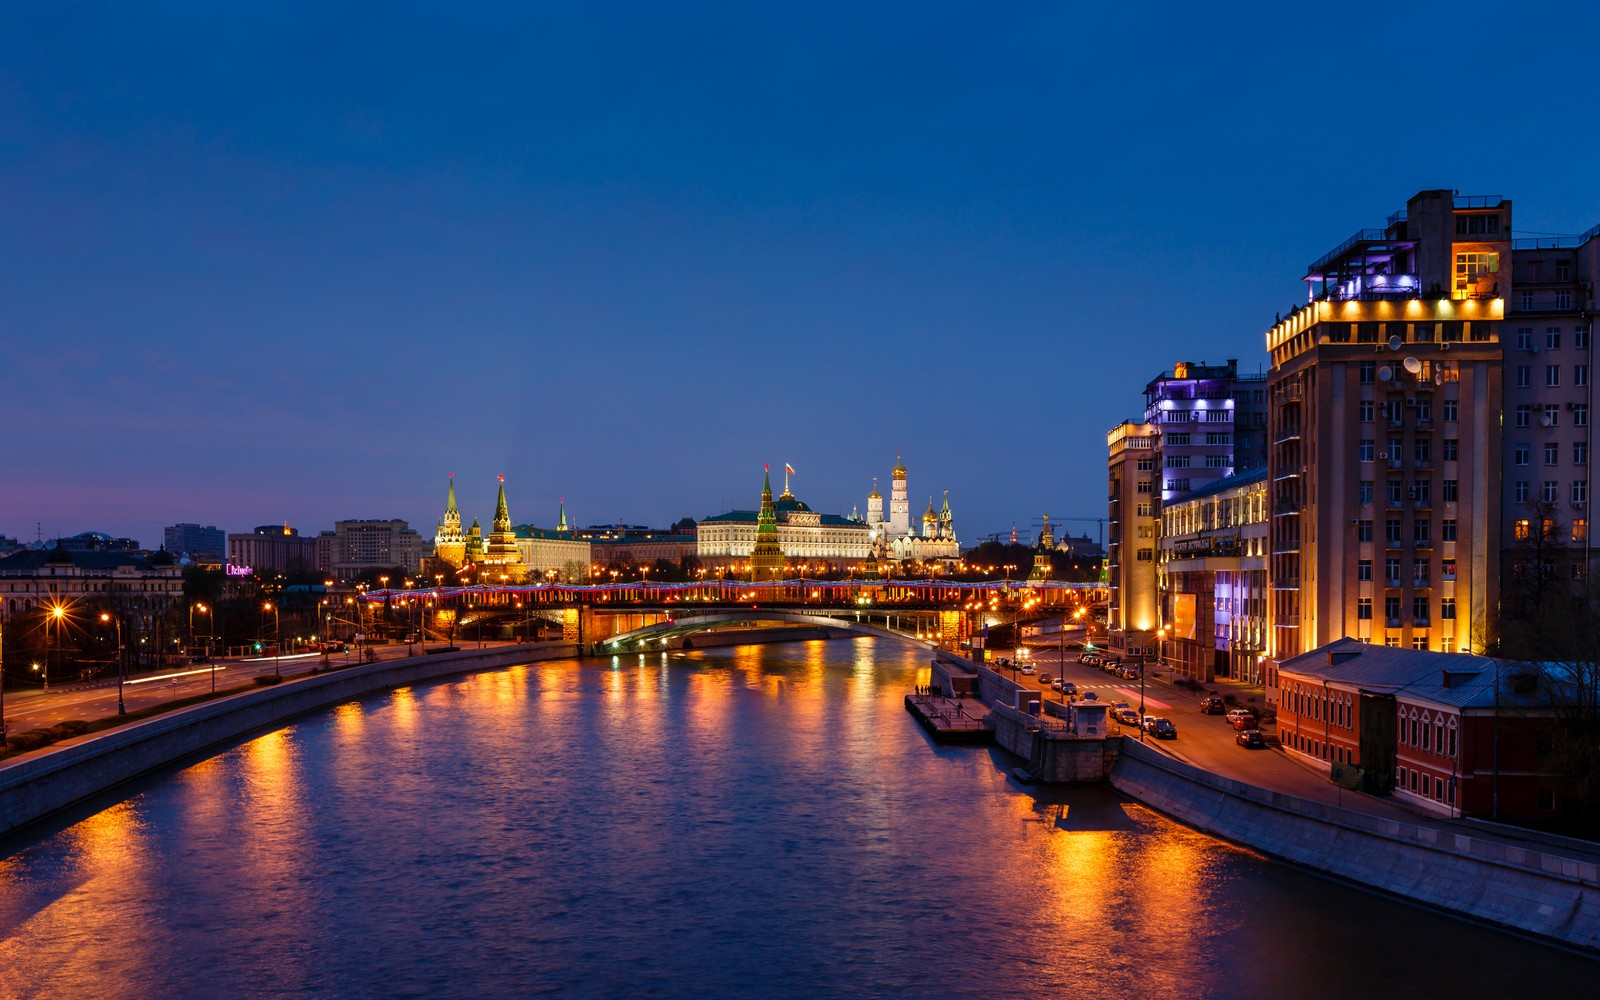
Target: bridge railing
951 594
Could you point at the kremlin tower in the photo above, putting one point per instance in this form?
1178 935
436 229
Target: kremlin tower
449 544
766 559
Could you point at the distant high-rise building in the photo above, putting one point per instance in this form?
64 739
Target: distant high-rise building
274 548
207 546
1212 424
1131 536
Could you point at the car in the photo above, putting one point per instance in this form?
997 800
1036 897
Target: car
1090 696
1244 722
1251 739
1163 729
1235 713
1212 705
1067 687
1045 679
1126 716
1055 685
1089 659
1027 668
1146 722
1119 705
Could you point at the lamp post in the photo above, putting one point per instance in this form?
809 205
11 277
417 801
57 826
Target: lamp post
277 639
56 614
122 709
205 610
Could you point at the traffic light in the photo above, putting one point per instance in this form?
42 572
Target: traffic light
258 647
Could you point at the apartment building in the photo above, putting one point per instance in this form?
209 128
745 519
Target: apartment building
1212 576
1384 461
1548 405
1131 537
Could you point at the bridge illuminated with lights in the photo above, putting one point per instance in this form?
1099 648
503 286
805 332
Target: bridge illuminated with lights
612 615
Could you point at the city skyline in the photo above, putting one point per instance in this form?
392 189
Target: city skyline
298 267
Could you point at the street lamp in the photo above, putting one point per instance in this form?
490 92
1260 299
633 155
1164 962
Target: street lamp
277 638
57 612
122 709
203 609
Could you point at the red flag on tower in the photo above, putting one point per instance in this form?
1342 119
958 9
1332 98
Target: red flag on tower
788 468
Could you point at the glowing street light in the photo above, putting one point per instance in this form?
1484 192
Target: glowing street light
122 709
277 638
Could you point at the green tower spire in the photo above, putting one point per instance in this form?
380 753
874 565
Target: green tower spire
561 522
450 499
766 559
502 515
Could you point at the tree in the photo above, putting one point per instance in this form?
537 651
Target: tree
1537 560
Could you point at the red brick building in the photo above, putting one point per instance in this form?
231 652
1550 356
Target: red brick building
1455 733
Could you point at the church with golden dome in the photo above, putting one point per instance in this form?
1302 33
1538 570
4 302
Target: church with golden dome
898 539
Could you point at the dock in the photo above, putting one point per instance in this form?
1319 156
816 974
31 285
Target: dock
950 720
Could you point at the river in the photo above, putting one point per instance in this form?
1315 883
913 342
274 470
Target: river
754 821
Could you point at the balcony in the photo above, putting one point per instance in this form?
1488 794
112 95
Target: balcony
1391 623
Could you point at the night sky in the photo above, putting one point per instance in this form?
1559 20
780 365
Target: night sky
268 263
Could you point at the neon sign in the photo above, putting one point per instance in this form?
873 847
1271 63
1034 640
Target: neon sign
238 570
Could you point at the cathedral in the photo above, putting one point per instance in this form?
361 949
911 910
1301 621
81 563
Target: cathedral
897 539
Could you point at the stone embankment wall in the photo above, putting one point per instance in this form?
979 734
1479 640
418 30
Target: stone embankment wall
36 787
1547 895
1053 755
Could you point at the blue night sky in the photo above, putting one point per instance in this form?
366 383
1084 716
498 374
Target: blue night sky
269 263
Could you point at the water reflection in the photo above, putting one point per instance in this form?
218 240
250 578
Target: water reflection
721 822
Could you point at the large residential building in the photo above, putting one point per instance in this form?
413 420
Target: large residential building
203 546
1549 399
272 548
1131 537
1384 422
1210 423
1212 577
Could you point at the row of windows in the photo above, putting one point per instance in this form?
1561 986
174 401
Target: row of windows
1550 489
1550 416
1419 609
1427 732
1391 571
1522 529
1552 376
1557 300
1421 530
1552 338
1438 789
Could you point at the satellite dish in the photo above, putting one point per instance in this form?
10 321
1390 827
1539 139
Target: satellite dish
1394 343
1385 374
1438 378
1413 365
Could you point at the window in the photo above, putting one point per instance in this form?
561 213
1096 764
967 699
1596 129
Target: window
1580 529
1393 490
1525 300
1452 409
1368 368
1144 555
1177 461
1147 465
1421 532
1524 415
1552 376
1218 462
1524 338
1364 531
1424 409
1580 492
1364 491
1552 453
1519 455
1215 438
1563 300
1524 376
1580 337
1447 569
1423 448
1364 570
1391 610
1552 338
1470 267
1452 447
1365 409
1580 375
1519 491
1447 609
1364 609
1563 270
1422 492
1580 414
1177 439
1452 488
1447 529
1144 486
1552 416
1519 529
1391 572
1391 530
1366 450
1551 491
1477 224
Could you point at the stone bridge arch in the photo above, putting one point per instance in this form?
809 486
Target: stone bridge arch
687 624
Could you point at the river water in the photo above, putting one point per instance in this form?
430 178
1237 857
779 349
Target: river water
756 821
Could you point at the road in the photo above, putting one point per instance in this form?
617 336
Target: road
36 709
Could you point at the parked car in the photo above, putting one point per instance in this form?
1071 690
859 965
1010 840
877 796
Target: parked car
1251 739
1126 716
1055 685
1045 679
1067 687
1090 696
1089 659
1117 706
1163 729
1234 713
1212 705
1146 722
1244 722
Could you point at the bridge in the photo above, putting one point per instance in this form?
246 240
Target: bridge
613 616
